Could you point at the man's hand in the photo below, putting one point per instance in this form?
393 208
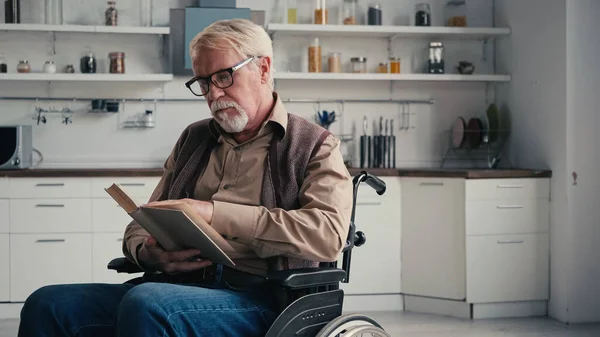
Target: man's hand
204 208
155 258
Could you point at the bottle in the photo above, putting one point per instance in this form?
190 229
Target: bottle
88 63
54 12
111 15
349 12
292 11
148 119
314 57
423 15
374 14
3 66
145 13
321 13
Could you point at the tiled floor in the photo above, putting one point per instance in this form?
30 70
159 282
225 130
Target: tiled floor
402 324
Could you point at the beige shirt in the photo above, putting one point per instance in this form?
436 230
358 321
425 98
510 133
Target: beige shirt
233 182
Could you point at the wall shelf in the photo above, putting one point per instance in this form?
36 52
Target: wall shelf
387 31
86 77
392 77
84 29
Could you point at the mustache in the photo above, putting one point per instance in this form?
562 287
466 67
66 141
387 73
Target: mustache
218 105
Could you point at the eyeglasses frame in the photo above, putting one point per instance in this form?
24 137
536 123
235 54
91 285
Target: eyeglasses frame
230 70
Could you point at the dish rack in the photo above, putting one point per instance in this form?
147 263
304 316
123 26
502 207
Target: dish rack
480 149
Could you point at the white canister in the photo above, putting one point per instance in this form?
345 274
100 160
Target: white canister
49 67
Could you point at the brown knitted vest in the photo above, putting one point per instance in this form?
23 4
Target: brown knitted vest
288 158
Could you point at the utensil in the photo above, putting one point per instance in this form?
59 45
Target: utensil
386 153
458 132
393 143
325 119
381 144
363 143
375 145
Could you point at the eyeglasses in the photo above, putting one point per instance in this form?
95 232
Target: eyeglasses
222 79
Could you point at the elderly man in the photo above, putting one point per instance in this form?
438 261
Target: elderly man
273 184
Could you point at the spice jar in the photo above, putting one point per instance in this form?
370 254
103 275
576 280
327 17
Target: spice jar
395 65
456 13
436 58
382 68
88 63
374 14
117 62
111 15
49 67
359 64
292 11
23 67
334 61
69 69
314 57
321 14
423 15
349 12
3 66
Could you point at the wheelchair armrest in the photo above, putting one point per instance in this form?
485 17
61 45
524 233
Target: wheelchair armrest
307 277
123 265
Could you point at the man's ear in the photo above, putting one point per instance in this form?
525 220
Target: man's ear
265 68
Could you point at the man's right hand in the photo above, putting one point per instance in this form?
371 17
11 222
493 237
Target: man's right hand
153 257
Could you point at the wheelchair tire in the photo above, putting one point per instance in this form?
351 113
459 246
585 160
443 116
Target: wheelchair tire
343 325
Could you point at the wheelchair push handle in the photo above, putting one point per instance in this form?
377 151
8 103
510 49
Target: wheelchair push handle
377 184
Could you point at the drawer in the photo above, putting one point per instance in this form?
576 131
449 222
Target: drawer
108 216
105 247
507 268
525 188
50 216
3 187
519 216
139 187
4 216
50 188
37 260
4 268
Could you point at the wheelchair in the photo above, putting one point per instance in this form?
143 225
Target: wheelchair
316 300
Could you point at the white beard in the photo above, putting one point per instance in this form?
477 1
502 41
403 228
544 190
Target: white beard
234 124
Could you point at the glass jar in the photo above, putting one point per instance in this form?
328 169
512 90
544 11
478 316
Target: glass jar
145 13
3 66
23 66
456 13
423 15
321 14
359 65
88 63
395 65
117 62
374 14
382 68
334 62
292 11
349 12
49 67
314 57
53 12
111 15
436 58
69 69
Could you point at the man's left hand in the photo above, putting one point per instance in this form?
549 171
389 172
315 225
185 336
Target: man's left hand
203 208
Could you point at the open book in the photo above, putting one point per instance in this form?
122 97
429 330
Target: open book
176 227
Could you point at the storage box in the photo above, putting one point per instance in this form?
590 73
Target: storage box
217 3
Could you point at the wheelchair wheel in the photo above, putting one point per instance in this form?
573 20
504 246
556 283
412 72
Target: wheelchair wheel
351 325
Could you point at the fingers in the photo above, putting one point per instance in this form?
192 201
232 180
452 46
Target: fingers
182 255
184 267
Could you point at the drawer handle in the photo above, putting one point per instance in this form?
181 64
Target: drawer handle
510 186
50 184
372 203
50 205
509 206
510 242
133 184
50 241
432 184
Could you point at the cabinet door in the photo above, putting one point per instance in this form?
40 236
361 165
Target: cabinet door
108 216
107 246
4 216
433 237
505 268
50 215
4 268
37 260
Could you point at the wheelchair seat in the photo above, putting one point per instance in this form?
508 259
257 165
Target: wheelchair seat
314 300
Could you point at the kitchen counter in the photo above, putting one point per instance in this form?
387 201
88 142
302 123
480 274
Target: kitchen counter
405 172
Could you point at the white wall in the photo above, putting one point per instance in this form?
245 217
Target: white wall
583 121
72 145
553 102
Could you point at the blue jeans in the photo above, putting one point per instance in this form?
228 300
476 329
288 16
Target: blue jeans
148 309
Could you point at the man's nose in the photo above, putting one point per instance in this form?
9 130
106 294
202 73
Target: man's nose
214 92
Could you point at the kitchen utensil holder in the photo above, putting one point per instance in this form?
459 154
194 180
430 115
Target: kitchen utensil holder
487 154
66 115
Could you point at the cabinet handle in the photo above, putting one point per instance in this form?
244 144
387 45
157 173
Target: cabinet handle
50 241
372 203
510 242
49 184
132 184
509 206
432 184
50 205
510 186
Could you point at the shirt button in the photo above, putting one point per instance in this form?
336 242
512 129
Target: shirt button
234 238
224 236
226 187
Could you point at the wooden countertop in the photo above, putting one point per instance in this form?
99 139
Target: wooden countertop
407 172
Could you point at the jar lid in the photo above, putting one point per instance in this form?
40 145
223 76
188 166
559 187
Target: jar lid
49 62
393 58
116 54
382 64
358 59
436 44
23 61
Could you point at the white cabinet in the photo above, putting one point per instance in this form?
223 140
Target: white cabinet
4 188
50 215
4 268
49 188
139 188
375 266
37 260
4 216
107 246
433 237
